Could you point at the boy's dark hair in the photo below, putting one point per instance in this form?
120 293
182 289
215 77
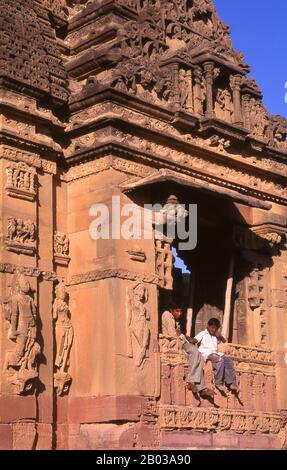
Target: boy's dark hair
174 306
214 322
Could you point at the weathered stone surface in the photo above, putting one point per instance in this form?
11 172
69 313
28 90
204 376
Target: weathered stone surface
148 102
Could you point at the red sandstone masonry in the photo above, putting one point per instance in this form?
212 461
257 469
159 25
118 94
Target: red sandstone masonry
6 437
105 409
14 408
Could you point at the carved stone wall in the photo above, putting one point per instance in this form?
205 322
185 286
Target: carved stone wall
130 98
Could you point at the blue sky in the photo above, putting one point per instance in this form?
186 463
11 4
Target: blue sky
259 30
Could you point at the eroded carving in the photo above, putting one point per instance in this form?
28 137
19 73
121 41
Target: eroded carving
21 364
21 236
64 334
172 417
138 323
61 248
21 181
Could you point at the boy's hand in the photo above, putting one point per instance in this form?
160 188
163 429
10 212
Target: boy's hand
178 331
191 340
214 358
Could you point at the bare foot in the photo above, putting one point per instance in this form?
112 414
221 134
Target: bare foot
234 388
192 387
206 393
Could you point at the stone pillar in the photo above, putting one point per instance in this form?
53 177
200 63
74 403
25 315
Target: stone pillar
278 324
45 302
235 82
208 72
113 301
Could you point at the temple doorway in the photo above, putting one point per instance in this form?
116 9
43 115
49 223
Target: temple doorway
201 276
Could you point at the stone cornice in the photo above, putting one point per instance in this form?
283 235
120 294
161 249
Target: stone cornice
9 138
227 178
18 155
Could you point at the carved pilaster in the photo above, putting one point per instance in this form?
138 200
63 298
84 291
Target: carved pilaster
235 83
209 77
199 91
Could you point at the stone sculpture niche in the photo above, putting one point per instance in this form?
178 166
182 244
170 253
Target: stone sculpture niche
21 364
61 249
21 236
21 181
64 334
138 323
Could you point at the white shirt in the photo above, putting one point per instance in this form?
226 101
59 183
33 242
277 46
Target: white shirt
208 344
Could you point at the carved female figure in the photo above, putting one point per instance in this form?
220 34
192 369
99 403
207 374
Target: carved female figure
138 322
64 331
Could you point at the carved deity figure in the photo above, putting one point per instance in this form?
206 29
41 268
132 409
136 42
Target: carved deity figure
138 326
186 89
258 119
223 105
61 244
199 91
22 314
64 334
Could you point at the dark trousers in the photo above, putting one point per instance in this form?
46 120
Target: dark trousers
224 371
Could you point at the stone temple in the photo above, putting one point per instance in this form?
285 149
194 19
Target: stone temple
135 101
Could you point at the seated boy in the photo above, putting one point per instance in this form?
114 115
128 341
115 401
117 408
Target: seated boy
223 366
171 328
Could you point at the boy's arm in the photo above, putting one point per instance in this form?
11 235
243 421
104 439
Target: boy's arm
221 339
191 340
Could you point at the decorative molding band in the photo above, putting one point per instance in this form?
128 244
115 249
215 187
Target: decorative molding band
92 276
33 159
8 268
209 149
172 353
105 163
248 354
211 419
220 175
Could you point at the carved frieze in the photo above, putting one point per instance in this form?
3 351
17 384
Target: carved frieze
211 419
21 236
92 276
21 363
172 353
21 181
28 41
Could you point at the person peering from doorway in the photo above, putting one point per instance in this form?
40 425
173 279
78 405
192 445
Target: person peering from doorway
223 367
171 328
